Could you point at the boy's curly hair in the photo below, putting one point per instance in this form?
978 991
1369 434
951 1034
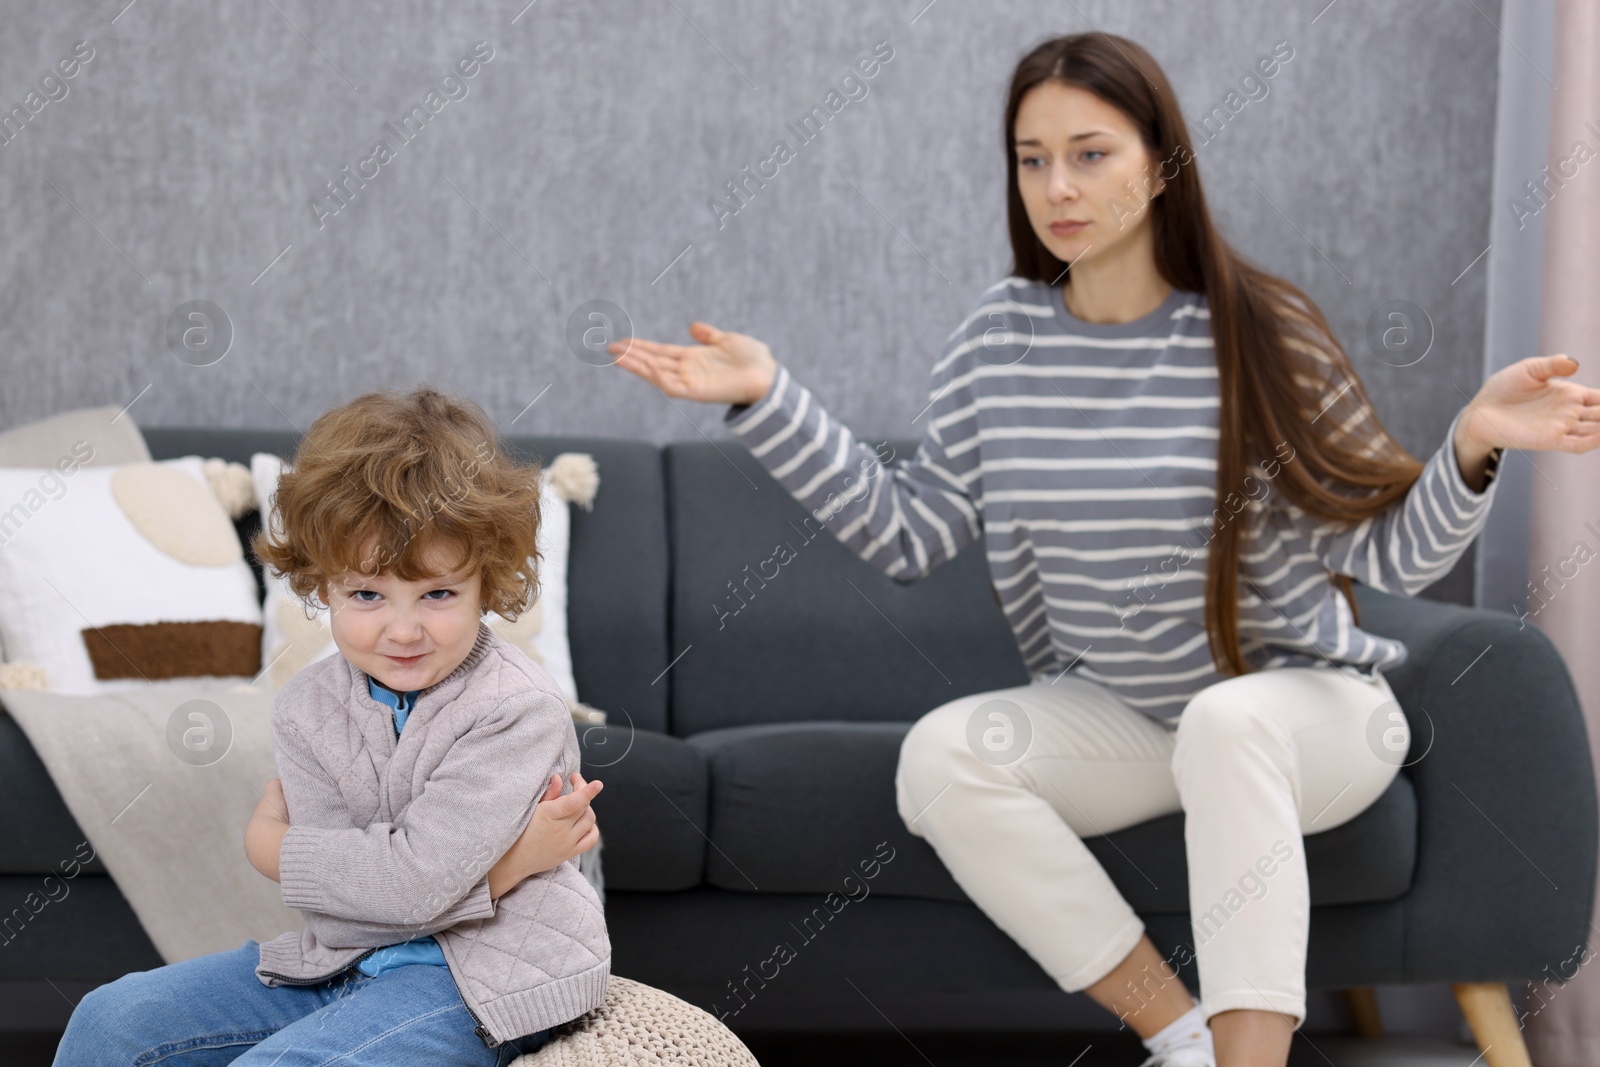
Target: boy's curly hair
377 481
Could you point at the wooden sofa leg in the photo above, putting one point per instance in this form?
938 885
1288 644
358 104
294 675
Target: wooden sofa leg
1487 1006
1363 1004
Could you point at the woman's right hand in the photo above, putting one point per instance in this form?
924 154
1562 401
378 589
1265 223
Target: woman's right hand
561 827
724 368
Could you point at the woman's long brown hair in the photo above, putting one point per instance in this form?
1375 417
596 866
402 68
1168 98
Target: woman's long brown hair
1284 380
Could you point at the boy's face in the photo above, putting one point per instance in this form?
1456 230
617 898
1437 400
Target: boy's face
407 635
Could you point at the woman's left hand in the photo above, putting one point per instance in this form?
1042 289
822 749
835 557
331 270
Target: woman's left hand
1523 406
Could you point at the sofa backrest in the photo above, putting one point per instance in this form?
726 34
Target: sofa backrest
684 614
617 572
774 620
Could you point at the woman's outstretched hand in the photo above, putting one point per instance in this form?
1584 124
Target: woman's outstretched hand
1524 406
724 368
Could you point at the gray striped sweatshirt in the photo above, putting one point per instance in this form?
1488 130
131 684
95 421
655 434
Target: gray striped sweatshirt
1084 456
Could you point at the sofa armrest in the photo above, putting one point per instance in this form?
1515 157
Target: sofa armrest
1507 823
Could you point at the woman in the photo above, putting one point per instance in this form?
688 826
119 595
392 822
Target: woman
1175 473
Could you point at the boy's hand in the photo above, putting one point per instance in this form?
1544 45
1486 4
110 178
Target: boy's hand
263 835
562 827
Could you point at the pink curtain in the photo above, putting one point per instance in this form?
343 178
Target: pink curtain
1563 1026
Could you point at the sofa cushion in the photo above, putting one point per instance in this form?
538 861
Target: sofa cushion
616 572
652 811
39 833
796 806
109 434
776 621
81 928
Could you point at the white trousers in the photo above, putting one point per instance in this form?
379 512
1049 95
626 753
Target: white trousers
1005 784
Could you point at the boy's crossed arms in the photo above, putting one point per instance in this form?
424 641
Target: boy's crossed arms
389 882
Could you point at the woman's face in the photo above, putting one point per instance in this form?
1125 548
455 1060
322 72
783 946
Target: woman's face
1079 160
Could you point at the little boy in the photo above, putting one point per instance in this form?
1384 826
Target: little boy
419 825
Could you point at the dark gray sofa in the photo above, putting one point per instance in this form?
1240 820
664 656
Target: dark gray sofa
750 758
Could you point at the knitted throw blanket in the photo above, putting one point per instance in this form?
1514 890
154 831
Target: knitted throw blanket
166 820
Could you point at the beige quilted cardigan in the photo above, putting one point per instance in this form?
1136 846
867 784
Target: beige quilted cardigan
372 858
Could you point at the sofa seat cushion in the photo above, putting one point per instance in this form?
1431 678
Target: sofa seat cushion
796 808
39 836
652 811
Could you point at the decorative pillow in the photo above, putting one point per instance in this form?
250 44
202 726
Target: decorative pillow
117 577
87 437
95 437
295 635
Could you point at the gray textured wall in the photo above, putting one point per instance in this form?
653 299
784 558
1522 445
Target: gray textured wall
184 157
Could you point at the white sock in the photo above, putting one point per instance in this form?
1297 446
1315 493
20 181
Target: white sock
1188 1029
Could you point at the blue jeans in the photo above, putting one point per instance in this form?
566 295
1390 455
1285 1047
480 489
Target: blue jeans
214 1010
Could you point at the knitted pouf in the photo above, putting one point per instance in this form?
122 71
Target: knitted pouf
641 1026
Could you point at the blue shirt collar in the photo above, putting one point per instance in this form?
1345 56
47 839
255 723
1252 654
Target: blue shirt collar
383 694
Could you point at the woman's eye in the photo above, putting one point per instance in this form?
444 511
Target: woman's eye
1028 161
1093 152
